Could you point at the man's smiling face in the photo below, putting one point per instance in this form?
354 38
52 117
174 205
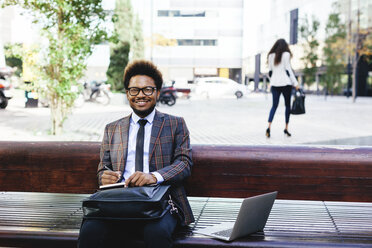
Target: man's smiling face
142 104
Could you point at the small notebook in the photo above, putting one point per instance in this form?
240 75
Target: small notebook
112 186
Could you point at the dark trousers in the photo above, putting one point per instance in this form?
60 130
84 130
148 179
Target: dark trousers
276 91
100 233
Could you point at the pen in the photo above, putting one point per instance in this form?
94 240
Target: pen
108 168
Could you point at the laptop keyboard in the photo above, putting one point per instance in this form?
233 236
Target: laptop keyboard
224 233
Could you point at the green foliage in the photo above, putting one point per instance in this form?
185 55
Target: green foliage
123 17
308 31
365 44
334 52
14 56
128 28
138 43
71 28
368 45
118 61
128 42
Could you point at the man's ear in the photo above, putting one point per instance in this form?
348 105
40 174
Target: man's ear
157 95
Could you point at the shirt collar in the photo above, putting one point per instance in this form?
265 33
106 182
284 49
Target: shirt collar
150 118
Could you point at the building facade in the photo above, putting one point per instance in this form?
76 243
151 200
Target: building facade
283 17
196 38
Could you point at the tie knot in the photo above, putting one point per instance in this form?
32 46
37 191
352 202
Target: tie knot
142 122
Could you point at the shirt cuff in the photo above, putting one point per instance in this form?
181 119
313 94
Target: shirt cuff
159 178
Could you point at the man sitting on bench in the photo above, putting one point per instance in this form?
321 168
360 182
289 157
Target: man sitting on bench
143 148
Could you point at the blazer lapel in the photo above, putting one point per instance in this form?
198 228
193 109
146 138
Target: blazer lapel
124 132
157 126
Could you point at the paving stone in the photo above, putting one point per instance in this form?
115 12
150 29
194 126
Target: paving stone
335 120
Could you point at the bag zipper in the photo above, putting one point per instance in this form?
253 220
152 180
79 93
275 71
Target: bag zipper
173 208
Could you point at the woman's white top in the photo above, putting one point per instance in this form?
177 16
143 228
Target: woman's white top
279 75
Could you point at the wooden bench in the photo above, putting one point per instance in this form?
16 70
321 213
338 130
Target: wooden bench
324 193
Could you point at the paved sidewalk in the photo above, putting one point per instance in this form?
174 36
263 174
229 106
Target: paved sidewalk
335 121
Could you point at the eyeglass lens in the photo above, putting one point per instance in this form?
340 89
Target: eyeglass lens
147 91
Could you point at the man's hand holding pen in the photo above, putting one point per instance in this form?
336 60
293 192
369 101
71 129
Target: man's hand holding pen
137 179
110 177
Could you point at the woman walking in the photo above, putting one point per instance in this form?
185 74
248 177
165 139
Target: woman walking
282 80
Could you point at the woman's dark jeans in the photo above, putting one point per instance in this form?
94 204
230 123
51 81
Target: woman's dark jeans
276 91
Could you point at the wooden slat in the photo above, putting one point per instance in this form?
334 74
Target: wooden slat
58 216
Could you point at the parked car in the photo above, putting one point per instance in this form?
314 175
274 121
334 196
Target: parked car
215 87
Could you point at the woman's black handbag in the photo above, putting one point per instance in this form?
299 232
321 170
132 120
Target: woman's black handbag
298 105
131 203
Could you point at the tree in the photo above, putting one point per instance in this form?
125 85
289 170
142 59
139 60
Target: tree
128 30
71 29
365 48
308 31
123 21
118 61
334 52
361 48
14 56
138 46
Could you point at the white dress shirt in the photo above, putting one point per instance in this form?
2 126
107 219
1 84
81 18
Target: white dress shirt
132 139
279 75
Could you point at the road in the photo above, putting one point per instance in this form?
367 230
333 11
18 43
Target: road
229 121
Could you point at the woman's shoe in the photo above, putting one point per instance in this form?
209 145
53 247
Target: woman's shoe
287 133
268 132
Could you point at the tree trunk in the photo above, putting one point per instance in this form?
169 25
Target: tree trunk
57 106
56 116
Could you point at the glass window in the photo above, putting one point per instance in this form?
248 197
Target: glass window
174 13
209 42
196 42
163 13
192 13
185 42
181 13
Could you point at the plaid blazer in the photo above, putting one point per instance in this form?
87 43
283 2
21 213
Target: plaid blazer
169 154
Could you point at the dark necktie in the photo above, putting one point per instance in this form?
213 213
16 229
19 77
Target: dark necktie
139 145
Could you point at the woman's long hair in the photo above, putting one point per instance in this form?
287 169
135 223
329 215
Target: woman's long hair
279 48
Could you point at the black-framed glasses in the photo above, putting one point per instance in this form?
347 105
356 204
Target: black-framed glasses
148 91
